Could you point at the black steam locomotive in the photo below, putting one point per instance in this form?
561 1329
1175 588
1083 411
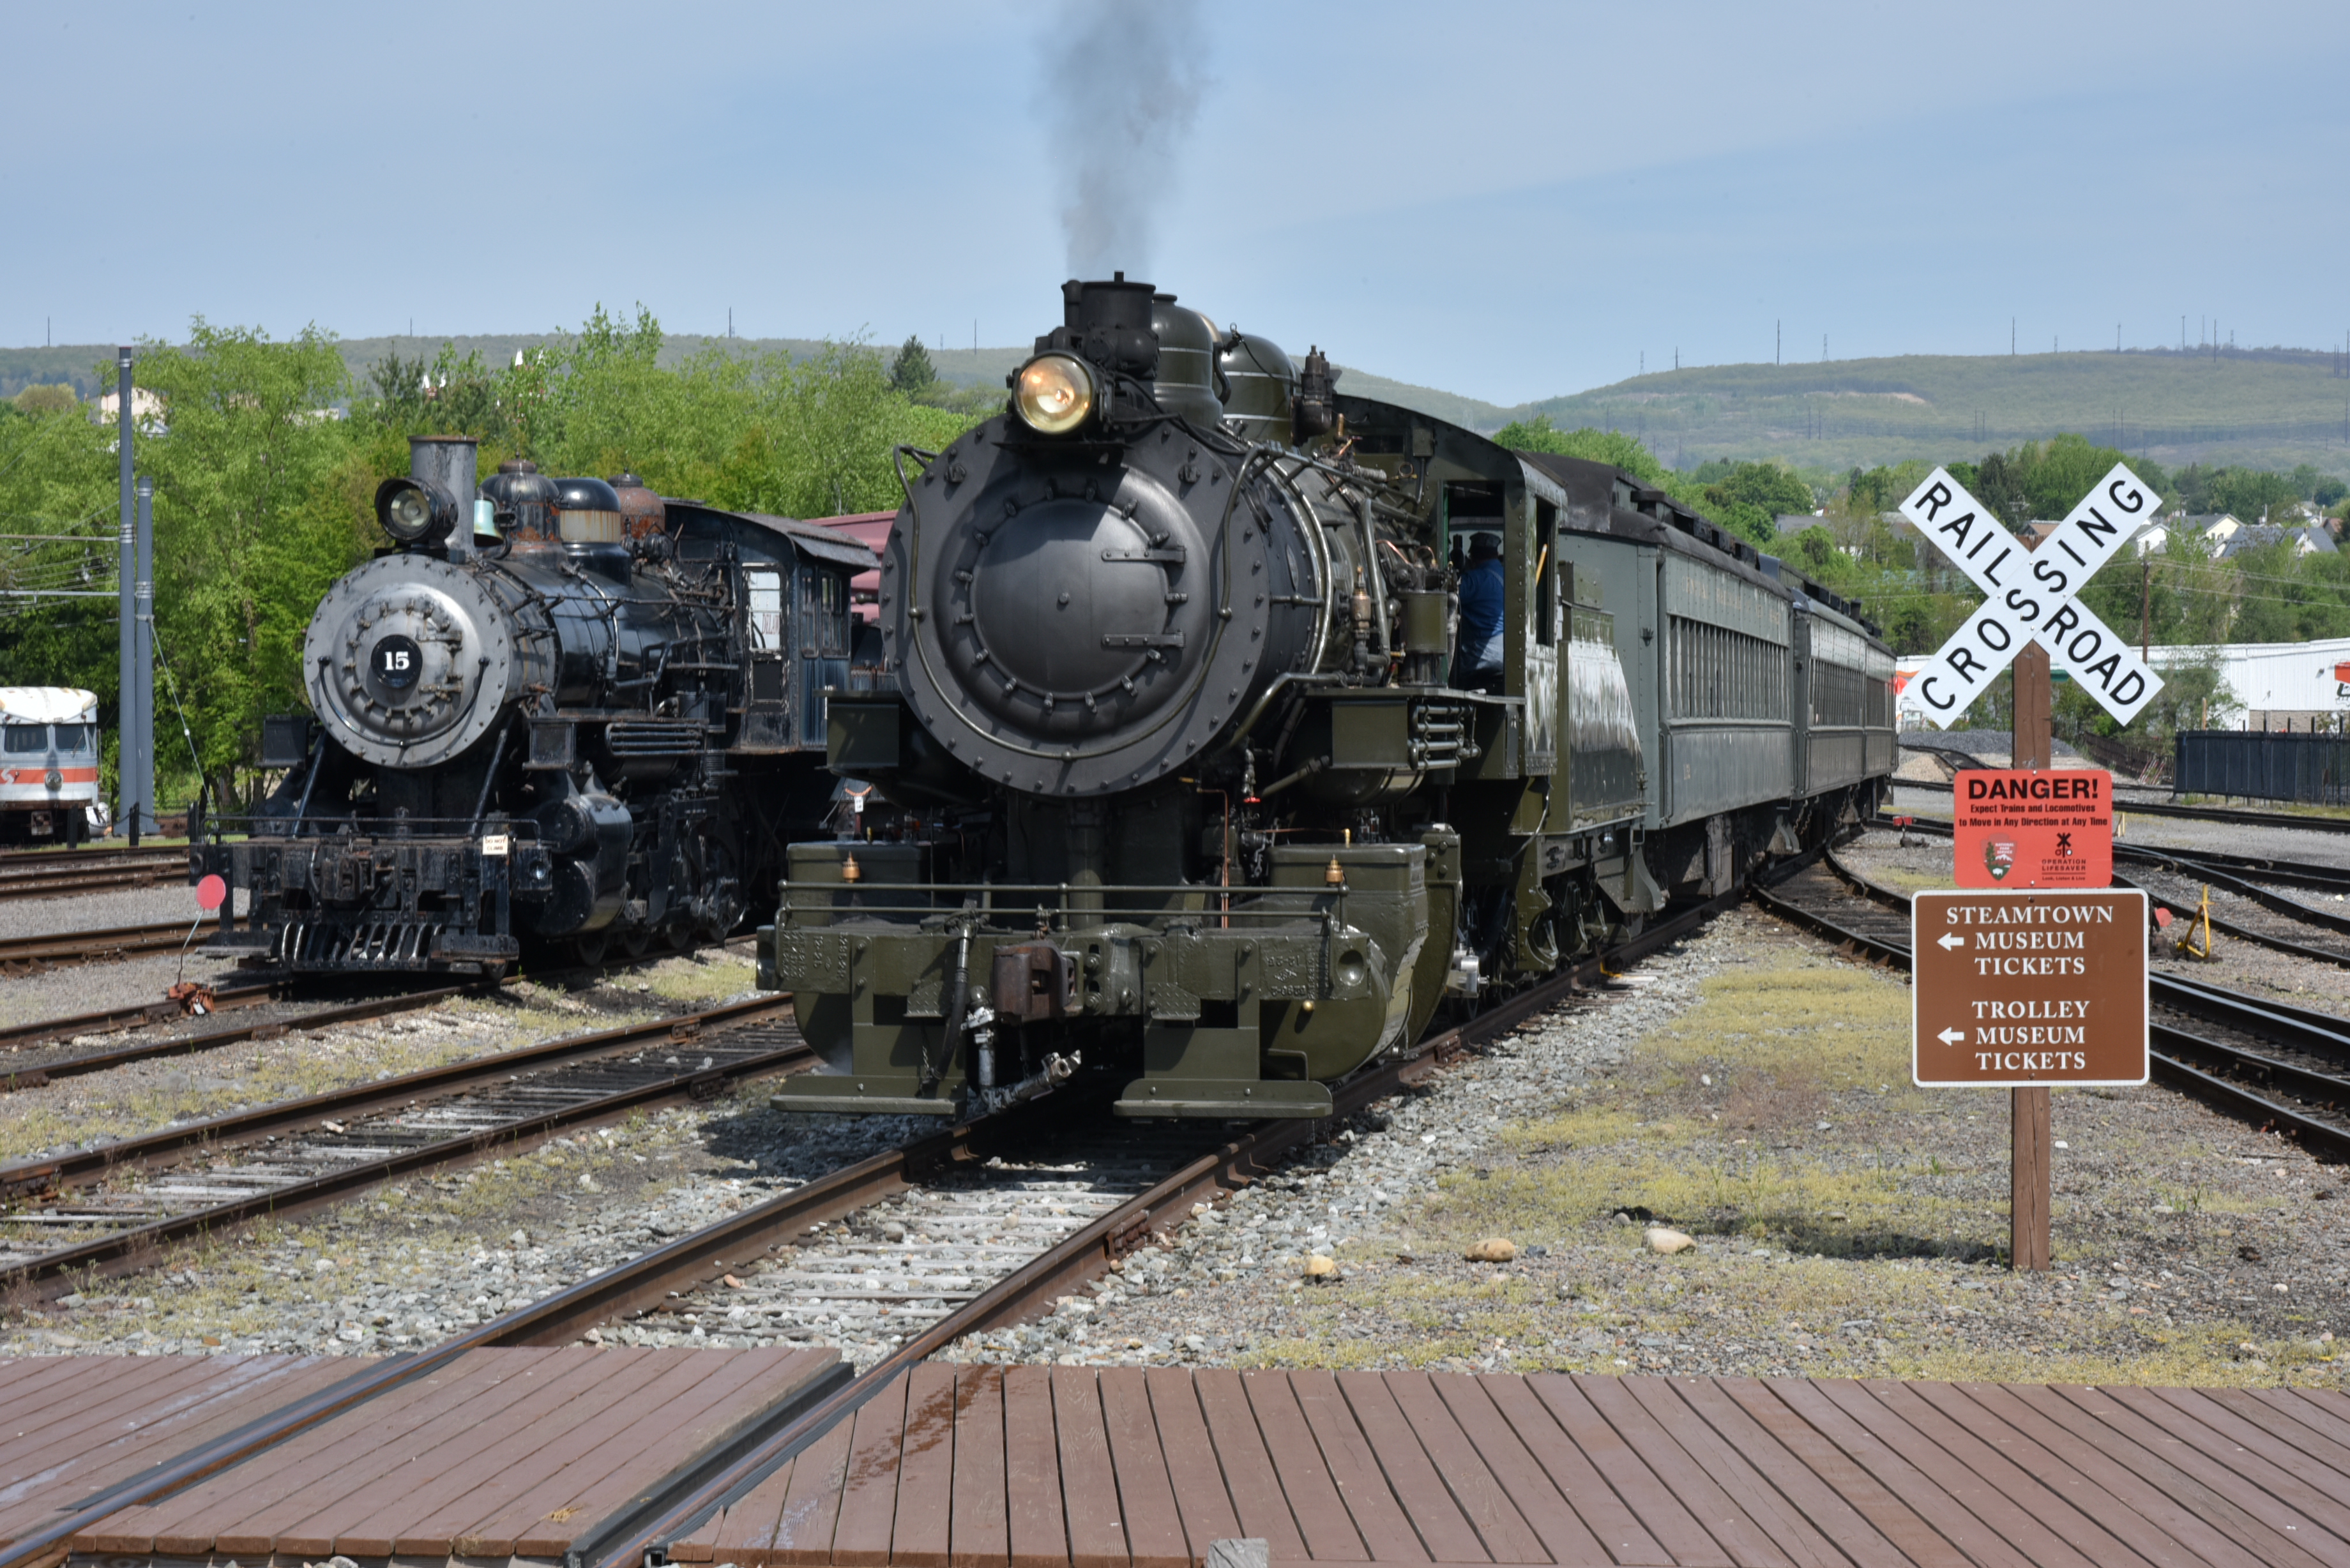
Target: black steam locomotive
555 712
1238 722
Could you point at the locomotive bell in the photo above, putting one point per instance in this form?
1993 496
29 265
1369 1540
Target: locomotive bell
522 499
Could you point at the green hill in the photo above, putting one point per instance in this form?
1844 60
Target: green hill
2270 408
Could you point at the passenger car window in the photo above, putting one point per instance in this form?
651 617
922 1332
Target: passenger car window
28 738
71 737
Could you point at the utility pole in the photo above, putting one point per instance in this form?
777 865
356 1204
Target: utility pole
1778 343
126 765
2144 606
2010 336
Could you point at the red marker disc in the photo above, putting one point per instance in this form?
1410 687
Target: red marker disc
211 893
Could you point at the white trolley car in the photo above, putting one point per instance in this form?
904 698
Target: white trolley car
48 763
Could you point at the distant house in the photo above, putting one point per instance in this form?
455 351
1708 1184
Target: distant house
2216 527
2255 535
1796 522
2038 530
146 407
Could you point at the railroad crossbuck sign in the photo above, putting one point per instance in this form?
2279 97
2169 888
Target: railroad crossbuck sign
2031 595
2013 990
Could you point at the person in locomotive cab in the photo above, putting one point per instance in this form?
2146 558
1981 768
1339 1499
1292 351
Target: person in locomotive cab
1477 658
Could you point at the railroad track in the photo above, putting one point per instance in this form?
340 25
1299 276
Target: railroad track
22 955
2252 912
61 873
2284 1068
2241 818
112 1209
1114 1186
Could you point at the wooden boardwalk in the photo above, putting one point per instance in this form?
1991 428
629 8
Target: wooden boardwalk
72 1427
520 1457
1035 1467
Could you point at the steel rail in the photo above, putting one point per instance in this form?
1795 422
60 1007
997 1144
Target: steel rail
112 1019
128 1248
632 1538
2240 818
2216 870
57 949
2185 1058
40 1073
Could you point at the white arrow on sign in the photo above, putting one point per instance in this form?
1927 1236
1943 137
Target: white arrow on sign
1948 941
1952 1037
2031 595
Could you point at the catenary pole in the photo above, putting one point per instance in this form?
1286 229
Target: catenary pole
125 764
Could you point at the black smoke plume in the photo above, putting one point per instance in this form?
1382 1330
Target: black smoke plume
1122 85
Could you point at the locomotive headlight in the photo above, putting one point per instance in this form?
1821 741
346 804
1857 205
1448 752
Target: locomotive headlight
1055 393
412 512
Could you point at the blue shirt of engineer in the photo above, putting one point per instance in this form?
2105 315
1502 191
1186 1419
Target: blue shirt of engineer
1479 652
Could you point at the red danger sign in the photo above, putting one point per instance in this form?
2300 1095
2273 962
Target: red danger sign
2018 828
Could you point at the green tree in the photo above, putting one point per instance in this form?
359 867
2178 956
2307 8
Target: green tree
251 527
911 372
1768 489
2250 492
40 400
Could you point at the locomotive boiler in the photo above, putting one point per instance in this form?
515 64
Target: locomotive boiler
1206 798
556 711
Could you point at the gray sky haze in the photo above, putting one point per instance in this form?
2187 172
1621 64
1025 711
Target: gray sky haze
1506 200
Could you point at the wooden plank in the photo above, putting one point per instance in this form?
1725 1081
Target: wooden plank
2094 1420
1033 1510
63 1430
2316 1414
1841 1500
1541 1478
1088 1480
926 1469
2269 1465
1305 1476
747 1384
2247 1405
980 1533
1501 1531
80 1414
1443 1531
1201 1497
1146 1497
1746 1482
241 1389
448 1462
2042 1444
1674 1527
1623 1535
803 1532
248 1497
868 1493
1970 1537
1738 1534
1981 1496
1246 1466
2054 1493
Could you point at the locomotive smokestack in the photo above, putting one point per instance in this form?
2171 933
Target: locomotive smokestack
447 463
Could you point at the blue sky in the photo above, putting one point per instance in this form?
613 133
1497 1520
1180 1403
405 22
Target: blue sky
1506 200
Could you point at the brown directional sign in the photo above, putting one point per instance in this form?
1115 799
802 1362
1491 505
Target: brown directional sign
2013 989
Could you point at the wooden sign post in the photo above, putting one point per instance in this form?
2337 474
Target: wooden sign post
2032 607
2031 1181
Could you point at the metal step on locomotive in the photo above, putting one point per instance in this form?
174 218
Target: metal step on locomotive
560 713
1238 723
